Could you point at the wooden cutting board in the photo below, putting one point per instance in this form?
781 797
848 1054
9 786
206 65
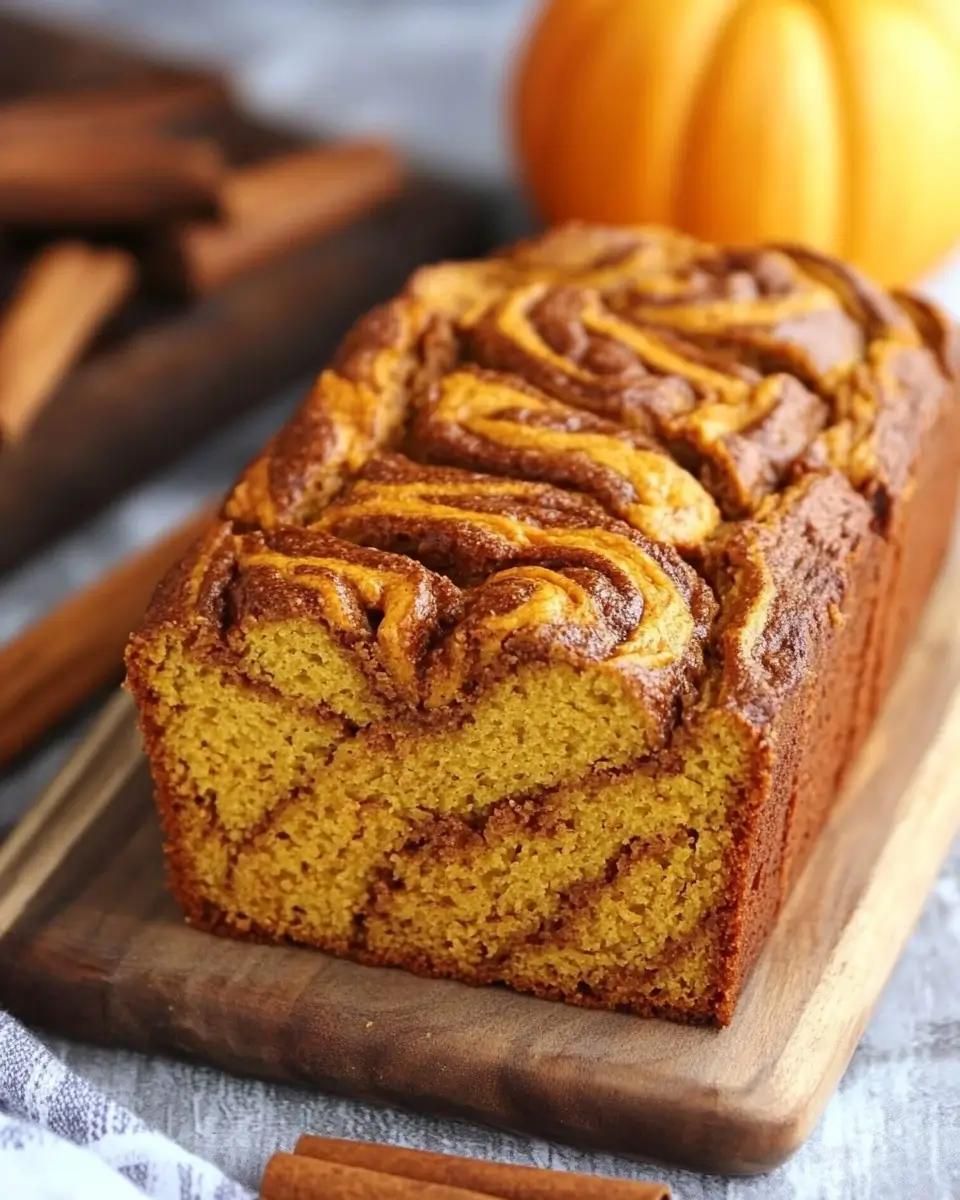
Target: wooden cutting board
91 946
171 373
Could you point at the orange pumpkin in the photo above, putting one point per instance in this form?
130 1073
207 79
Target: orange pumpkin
831 122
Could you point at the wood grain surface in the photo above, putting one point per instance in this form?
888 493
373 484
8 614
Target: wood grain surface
168 373
92 946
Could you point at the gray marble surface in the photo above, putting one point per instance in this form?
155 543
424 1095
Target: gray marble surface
429 73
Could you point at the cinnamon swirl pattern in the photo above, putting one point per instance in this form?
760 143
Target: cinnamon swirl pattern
495 422
551 572
534 648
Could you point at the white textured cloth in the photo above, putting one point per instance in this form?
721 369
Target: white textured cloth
61 1139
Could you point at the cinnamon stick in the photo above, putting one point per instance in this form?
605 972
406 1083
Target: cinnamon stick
291 1177
156 104
89 179
503 1180
63 298
66 655
274 207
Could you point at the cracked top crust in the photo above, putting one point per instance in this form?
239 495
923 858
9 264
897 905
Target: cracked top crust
548 453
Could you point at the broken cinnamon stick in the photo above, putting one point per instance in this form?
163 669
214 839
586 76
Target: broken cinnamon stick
89 179
68 654
277 206
507 1181
156 104
63 298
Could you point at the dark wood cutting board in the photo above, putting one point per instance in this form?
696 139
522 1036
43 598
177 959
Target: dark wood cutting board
93 947
175 372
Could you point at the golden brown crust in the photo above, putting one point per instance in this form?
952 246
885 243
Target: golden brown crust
355 408
723 475
544 574
791 568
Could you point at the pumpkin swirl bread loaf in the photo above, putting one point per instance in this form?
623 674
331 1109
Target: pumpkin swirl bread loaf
535 647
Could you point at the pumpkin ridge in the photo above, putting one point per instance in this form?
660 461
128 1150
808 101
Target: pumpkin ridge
765 157
712 60
898 179
690 121
825 13
702 23
831 123
552 42
567 153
